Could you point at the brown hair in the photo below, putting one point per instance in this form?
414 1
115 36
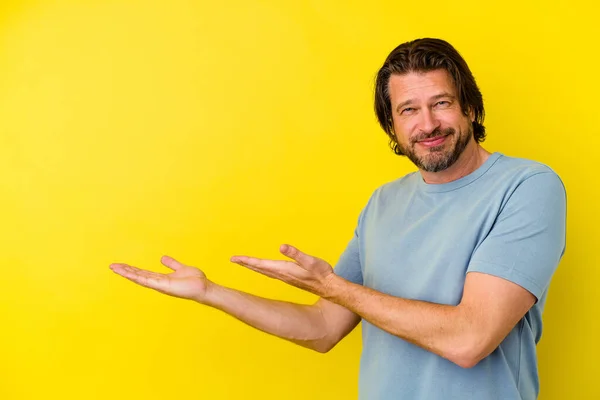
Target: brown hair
423 55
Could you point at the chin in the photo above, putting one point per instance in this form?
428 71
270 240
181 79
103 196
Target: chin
437 160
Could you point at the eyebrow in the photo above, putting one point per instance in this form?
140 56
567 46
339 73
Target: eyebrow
436 97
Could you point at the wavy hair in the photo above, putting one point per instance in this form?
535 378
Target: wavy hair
424 55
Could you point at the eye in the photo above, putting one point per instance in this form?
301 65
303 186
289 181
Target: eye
442 103
407 110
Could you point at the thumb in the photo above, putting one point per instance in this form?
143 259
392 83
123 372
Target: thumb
298 256
171 263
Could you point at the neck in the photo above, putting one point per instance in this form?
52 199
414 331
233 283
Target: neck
471 158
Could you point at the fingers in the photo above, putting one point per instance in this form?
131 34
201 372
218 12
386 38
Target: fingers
285 271
144 278
171 263
259 262
296 255
266 272
272 268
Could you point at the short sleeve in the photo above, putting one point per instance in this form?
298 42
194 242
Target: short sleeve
348 265
527 240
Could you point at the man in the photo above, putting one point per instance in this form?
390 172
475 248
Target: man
448 268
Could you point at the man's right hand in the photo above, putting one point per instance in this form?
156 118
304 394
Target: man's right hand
184 282
318 327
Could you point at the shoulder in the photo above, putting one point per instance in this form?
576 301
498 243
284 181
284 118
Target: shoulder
521 169
392 192
404 184
514 173
526 182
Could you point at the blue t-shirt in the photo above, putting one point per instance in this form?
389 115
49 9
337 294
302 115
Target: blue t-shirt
418 241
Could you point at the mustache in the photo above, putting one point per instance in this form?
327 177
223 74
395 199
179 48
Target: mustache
435 133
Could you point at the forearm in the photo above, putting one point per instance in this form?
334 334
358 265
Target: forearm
442 329
297 323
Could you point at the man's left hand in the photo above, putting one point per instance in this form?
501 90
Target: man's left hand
305 272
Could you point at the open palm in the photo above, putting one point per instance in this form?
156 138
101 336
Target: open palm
185 281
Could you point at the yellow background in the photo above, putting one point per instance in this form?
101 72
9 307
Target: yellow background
133 129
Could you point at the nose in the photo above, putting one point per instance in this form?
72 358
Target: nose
428 122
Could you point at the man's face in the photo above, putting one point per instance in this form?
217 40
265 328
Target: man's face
429 124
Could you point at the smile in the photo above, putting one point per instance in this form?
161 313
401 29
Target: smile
436 141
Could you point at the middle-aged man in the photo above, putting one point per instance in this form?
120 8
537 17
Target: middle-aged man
449 266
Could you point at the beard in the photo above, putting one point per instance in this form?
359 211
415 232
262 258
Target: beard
438 158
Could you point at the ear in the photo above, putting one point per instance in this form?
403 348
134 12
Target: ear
471 114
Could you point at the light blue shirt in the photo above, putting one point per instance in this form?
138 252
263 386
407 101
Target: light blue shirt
418 241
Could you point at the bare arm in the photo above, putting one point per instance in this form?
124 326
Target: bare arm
318 327
463 334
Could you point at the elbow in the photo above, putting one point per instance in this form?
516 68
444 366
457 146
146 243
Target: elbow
323 346
321 349
469 352
466 361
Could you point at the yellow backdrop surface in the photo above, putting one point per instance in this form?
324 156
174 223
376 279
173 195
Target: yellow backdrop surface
133 129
